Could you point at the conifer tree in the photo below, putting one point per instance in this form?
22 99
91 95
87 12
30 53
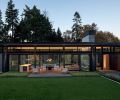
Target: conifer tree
59 35
35 27
76 28
11 19
1 27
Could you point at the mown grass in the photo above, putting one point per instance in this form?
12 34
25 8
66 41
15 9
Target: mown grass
72 88
84 73
14 74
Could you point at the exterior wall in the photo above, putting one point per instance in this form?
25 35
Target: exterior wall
1 62
85 39
78 49
92 38
89 38
115 62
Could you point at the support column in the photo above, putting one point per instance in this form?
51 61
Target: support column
1 59
39 61
93 59
35 60
19 63
35 57
79 61
4 62
64 60
59 59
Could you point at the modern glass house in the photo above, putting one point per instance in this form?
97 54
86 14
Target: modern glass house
87 56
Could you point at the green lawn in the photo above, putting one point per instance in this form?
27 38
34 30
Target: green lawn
14 74
72 88
84 73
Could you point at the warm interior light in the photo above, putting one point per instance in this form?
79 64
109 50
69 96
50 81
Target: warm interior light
49 60
106 62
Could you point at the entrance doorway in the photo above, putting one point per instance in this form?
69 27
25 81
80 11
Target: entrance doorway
106 62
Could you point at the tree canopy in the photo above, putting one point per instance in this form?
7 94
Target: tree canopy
77 28
1 27
35 26
11 15
59 35
87 28
106 37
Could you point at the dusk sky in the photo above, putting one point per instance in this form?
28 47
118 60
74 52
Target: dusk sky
105 13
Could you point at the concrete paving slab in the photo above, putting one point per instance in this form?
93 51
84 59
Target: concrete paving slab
48 75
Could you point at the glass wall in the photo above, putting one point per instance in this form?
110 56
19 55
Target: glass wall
16 61
67 60
28 59
106 49
98 62
84 49
98 49
75 62
46 48
85 62
13 63
50 60
42 48
70 48
70 61
62 60
117 49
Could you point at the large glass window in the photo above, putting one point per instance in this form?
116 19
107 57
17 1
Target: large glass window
42 48
98 62
74 62
56 48
71 62
67 59
98 49
28 62
117 49
85 62
106 49
62 60
13 63
20 49
84 48
52 60
70 48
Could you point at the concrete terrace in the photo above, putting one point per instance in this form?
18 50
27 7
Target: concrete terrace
49 75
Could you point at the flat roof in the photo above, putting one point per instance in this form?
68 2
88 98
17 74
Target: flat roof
62 44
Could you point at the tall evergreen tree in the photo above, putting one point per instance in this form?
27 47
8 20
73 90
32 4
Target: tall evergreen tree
35 27
11 18
1 22
59 35
77 28
1 27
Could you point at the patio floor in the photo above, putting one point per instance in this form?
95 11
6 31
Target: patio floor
48 75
